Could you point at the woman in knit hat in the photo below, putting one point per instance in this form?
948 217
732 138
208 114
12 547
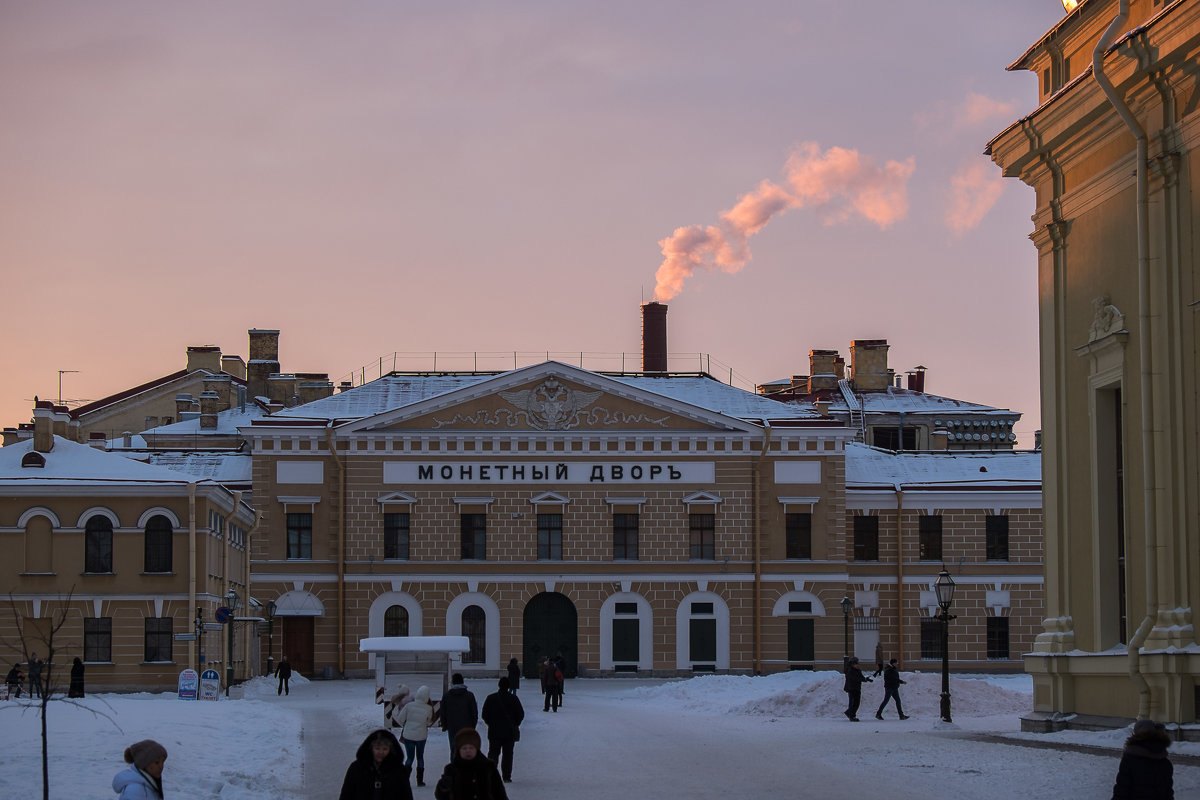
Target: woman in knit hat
469 775
378 771
1145 772
142 780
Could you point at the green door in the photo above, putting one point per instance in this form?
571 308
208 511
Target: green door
550 629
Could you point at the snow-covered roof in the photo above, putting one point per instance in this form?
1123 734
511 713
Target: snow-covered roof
228 422
392 392
221 467
79 464
414 644
868 466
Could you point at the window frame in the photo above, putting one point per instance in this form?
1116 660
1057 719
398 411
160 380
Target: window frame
98 545
154 642
549 536
473 536
299 536
397 535
993 535
931 639
475 629
866 537
158 546
625 536
797 527
702 535
390 620
999 639
97 642
930 542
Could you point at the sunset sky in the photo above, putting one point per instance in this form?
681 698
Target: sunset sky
380 176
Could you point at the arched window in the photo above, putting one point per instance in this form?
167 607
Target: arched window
98 545
395 621
474 627
158 544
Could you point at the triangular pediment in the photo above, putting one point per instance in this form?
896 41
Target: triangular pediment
549 397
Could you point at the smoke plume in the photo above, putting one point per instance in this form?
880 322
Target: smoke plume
841 182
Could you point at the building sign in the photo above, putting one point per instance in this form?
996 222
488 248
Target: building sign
188 684
797 471
412 473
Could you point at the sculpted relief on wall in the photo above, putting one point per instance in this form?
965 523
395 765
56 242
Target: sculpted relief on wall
550 406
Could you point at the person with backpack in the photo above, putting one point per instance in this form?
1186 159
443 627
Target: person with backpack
503 714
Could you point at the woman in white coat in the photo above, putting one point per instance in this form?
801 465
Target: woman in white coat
414 721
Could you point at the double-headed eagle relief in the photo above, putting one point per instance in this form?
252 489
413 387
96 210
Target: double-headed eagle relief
550 406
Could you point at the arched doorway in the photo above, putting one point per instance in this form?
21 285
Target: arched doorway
551 628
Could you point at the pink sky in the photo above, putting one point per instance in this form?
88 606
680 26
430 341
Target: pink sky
443 176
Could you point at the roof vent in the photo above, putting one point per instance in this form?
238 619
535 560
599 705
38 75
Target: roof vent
33 459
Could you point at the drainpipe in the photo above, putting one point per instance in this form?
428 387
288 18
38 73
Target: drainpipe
757 477
341 539
237 504
1147 394
195 643
900 571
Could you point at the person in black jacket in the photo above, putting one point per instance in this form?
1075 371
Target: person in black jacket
1145 772
378 771
458 709
284 673
853 687
469 776
76 687
503 713
891 689
514 674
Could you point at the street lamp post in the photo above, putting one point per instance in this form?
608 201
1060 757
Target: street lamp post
847 607
231 598
270 636
943 587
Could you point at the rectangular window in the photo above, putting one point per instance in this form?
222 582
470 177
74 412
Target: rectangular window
624 608
625 640
549 537
395 536
866 538
625 537
800 607
798 531
97 639
158 639
801 641
931 638
996 533
702 643
299 535
701 532
891 438
997 637
929 535
474 537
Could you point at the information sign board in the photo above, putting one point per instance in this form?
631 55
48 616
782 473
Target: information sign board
188 684
210 685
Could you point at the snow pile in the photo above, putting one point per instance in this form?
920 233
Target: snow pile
819 694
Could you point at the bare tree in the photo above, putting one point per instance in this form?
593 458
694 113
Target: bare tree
29 643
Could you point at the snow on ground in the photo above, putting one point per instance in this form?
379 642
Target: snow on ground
717 736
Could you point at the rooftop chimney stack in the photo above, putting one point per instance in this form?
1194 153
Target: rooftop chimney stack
43 426
654 337
823 369
204 357
916 379
868 364
264 360
210 406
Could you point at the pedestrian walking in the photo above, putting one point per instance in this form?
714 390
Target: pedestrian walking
283 671
514 674
14 678
469 776
142 780
1145 772
853 687
891 689
378 771
554 684
503 714
35 675
414 721
459 709
76 687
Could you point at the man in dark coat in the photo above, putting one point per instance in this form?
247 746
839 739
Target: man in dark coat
514 674
76 688
503 713
853 687
378 771
458 709
469 776
1145 772
284 673
891 689
554 687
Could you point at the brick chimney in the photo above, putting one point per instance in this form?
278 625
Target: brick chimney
97 440
43 426
868 364
235 366
205 356
183 403
654 337
313 386
823 370
62 422
916 379
264 361
223 386
210 403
